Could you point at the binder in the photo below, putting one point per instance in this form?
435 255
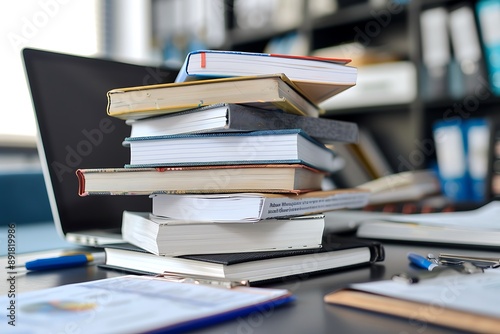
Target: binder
466 302
436 52
488 13
462 148
477 131
467 51
452 161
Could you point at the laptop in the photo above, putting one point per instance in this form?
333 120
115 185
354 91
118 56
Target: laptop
74 131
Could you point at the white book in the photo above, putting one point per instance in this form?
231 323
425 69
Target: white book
477 227
171 237
239 148
252 207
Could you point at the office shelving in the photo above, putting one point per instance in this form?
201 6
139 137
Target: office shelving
389 30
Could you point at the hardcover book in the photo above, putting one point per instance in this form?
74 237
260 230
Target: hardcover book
335 254
234 117
273 178
317 77
273 92
290 146
171 237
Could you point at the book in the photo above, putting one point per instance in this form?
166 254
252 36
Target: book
233 117
403 186
255 206
380 85
272 178
319 78
167 236
291 146
353 173
477 227
465 302
368 153
335 254
430 234
273 92
136 304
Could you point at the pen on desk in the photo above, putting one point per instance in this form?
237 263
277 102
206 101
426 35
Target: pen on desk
65 261
421 261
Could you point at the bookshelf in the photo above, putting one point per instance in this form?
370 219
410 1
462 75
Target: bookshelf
383 32
375 33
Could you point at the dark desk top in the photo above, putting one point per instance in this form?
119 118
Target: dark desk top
308 314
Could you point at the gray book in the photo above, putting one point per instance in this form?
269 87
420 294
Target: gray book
234 117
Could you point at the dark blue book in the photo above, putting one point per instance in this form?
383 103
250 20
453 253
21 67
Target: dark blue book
289 146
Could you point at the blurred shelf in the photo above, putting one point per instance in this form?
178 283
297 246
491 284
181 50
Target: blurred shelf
9 141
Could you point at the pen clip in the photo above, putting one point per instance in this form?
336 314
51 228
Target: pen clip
484 262
202 280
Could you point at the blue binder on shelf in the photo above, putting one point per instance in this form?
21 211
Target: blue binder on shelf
462 148
477 131
488 12
451 148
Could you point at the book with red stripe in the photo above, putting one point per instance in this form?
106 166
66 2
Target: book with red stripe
318 78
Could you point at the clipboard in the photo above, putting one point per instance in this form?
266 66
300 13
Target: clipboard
133 304
407 309
451 308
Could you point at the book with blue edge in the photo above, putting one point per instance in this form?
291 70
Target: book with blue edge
289 146
230 117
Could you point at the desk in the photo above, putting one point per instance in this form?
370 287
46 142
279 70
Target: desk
308 314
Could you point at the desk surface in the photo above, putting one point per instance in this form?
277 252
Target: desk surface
308 314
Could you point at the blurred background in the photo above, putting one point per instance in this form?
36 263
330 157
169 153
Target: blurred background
423 66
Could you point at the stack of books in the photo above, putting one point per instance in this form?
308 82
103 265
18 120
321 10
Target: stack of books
234 167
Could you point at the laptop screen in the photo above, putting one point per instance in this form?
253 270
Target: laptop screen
69 98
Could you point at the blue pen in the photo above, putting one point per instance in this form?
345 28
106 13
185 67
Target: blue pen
60 262
421 261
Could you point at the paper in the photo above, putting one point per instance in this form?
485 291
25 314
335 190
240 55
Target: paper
475 293
128 304
485 217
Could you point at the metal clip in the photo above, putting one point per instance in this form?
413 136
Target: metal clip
202 280
454 259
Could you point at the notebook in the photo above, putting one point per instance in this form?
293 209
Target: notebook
81 135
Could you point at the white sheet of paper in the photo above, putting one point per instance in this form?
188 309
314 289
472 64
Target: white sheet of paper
475 293
485 217
128 304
